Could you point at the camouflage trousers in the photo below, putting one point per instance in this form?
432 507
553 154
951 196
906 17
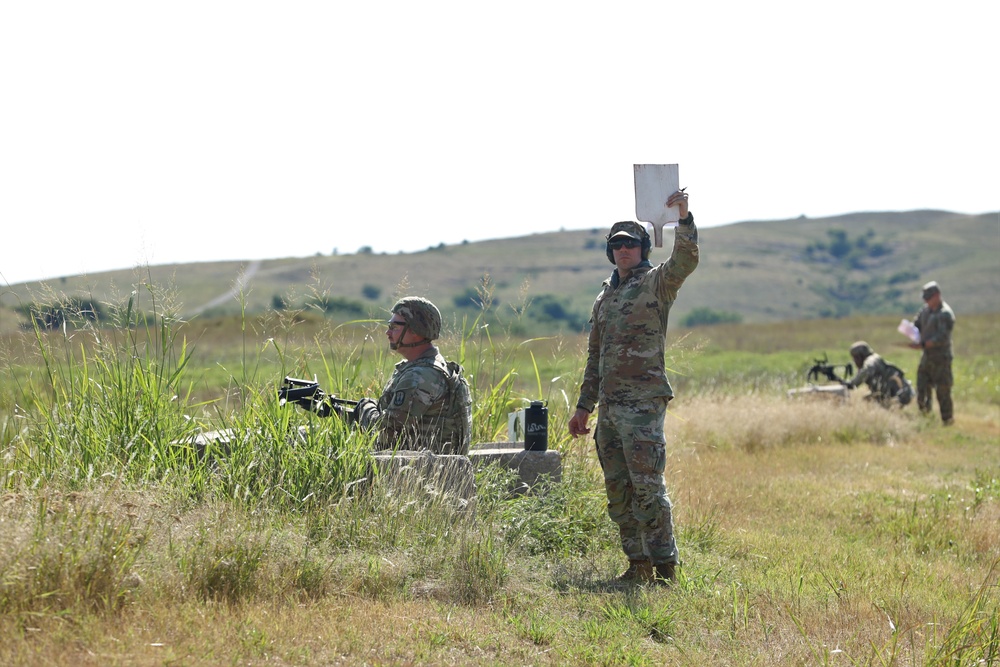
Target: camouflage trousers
934 375
632 450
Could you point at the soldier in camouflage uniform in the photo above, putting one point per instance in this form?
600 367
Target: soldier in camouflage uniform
427 403
935 321
886 382
626 376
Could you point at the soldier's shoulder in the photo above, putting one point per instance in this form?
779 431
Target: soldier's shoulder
417 381
431 371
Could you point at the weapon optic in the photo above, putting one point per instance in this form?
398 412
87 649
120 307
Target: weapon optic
307 394
825 368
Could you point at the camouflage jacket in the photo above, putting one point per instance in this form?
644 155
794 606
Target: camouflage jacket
877 374
425 405
627 344
935 327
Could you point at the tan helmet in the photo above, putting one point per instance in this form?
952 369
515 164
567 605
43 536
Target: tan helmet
861 351
632 230
422 317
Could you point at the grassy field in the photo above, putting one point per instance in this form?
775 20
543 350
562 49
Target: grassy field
810 532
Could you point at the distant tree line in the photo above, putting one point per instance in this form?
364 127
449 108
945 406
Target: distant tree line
847 297
841 249
332 305
846 294
703 317
68 312
544 312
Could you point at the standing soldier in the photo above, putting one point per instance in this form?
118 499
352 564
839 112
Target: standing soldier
935 322
626 376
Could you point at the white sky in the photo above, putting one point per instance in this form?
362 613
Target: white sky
136 133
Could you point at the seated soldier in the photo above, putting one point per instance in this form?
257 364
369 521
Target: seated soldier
426 404
886 382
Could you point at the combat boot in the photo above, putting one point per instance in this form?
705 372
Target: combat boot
665 574
638 572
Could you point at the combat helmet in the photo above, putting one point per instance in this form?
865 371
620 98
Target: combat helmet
861 351
422 317
633 230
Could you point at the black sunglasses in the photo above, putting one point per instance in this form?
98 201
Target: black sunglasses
624 243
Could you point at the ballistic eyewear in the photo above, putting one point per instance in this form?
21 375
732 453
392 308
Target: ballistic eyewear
618 244
394 324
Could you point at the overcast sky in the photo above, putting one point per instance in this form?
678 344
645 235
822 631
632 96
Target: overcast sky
135 133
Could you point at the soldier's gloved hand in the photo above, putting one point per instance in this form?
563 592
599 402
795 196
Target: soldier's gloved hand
365 413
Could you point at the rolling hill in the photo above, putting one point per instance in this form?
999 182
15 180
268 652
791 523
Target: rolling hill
757 271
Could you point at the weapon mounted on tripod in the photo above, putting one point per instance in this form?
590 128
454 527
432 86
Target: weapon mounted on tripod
825 368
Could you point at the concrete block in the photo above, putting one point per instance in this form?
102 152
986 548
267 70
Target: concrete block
530 465
448 474
821 391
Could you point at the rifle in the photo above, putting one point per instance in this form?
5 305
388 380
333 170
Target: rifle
307 394
823 367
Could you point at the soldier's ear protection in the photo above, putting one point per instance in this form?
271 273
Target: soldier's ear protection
647 244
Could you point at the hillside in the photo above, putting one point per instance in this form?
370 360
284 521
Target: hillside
760 271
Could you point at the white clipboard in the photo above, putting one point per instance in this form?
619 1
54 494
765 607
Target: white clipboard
654 183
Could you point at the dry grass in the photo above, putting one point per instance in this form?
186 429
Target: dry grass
755 422
798 548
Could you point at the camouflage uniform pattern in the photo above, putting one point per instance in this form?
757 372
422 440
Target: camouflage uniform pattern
626 373
883 380
934 371
422 317
633 454
425 405
627 344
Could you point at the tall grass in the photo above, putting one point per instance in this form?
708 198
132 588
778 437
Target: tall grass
755 422
116 405
810 532
69 556
108 403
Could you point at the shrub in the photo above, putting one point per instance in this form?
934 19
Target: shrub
700 317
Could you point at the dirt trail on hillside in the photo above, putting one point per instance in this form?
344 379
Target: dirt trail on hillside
242 280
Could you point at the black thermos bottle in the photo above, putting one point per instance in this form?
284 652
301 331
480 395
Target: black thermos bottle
536 427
